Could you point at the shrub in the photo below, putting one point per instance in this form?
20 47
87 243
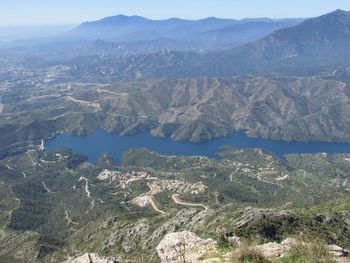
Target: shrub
224 244
315 252
249 254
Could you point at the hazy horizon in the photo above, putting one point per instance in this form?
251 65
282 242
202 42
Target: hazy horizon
31 13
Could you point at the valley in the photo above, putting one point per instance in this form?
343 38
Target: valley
197 109
135 140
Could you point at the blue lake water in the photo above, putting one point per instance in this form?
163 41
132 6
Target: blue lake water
99 142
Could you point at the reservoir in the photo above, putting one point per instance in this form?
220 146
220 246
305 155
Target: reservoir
99 142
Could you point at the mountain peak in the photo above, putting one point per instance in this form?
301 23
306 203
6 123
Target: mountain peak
319 28
339 11
335 21
117 19
211 18
340 14
121 18
315 43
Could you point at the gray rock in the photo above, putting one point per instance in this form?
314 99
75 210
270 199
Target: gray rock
184 247
94 258
324 219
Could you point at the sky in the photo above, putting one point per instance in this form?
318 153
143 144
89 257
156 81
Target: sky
72 12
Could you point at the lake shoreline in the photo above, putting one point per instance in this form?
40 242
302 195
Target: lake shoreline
99 142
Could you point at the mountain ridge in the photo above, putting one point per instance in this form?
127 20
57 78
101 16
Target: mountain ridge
117 26
315 43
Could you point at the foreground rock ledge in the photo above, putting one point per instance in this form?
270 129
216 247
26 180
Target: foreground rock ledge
94 258
187 247
184 247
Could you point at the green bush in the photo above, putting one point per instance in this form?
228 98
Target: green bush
249 254
315 252
224 244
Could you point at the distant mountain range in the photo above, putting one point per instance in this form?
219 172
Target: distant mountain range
176 34
137 47
134 28
318 42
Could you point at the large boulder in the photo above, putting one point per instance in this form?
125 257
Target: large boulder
274 250
184 247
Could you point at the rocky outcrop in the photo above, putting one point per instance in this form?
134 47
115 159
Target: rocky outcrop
136 237
94 258
184 247
251 215
128 235
324 219
338 251
142 200
21 247
275 250
184 217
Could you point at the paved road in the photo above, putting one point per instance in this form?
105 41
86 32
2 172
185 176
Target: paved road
86 186
154 206
178 201
46 188
151 200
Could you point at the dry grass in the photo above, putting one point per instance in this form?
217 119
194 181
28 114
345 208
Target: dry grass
248 253
305 251
315 252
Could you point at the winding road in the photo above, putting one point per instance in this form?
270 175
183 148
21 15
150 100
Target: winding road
154 206
46 188
178 201
88 193
231 175
151 200
68 219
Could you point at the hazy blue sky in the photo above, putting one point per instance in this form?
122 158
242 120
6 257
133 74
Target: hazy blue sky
49 12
